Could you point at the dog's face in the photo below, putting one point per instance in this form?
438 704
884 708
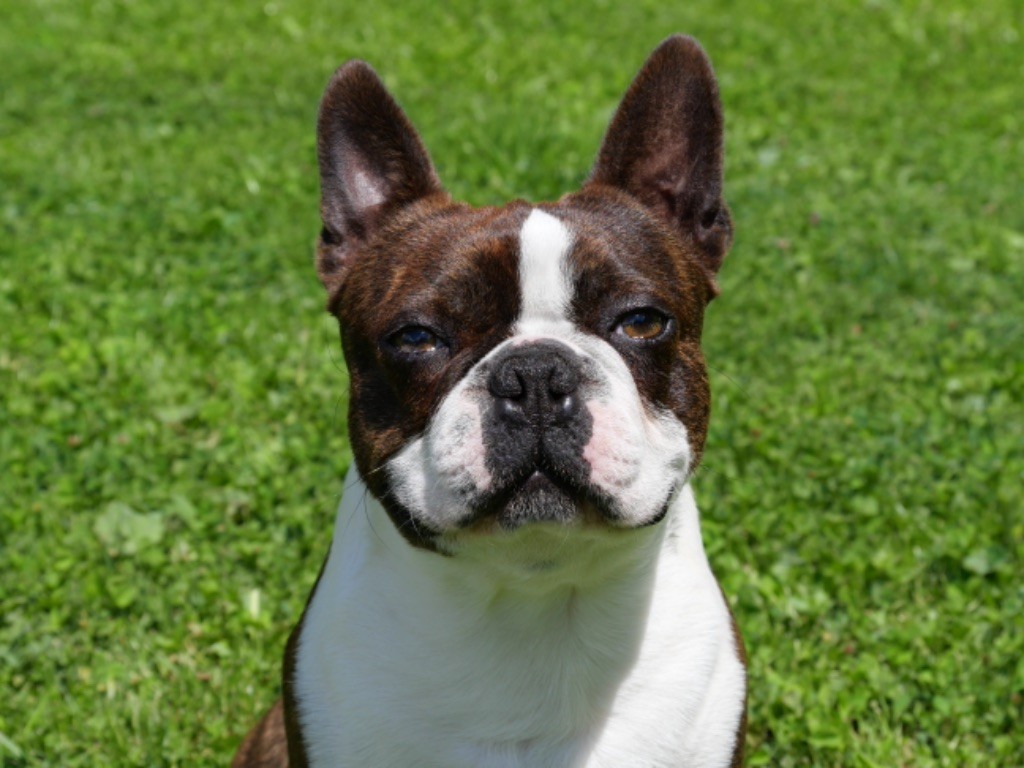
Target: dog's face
526 364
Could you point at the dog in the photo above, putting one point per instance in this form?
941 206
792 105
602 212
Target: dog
517 576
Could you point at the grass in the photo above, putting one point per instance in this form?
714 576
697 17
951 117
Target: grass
171 419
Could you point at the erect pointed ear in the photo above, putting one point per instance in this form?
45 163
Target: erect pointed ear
371 162
664 146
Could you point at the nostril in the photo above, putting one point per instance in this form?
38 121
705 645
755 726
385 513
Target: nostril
507 382
562 379
565 408
510 410
520 387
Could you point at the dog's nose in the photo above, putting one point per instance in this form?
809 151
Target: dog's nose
536 384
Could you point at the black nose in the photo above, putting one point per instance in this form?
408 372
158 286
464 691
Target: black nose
536 384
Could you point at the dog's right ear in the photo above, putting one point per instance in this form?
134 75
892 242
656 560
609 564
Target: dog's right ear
371 162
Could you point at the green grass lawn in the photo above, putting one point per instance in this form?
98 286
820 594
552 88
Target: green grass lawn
172 396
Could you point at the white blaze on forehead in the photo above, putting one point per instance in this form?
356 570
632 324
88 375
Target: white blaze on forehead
543 270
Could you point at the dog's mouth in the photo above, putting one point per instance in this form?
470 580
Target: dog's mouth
539 496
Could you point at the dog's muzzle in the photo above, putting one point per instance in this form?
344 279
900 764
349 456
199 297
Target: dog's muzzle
535 429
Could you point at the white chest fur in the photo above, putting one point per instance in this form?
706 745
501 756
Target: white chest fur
611 649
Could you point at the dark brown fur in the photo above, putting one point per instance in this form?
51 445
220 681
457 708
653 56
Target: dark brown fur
266 746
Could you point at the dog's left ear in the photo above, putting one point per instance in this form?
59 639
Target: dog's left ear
664 147
372 162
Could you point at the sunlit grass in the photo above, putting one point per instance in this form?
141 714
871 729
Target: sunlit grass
172 396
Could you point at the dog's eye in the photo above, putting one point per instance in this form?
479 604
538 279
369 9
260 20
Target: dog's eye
414 340
642 324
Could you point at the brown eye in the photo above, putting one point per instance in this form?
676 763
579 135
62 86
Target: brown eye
414 340
643 324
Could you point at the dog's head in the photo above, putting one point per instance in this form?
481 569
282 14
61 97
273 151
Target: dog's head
526 364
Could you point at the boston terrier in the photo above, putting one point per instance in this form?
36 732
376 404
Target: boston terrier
517 576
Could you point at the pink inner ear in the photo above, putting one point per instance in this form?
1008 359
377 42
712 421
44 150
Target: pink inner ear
364 193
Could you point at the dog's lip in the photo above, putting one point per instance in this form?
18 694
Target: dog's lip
485 517
537 480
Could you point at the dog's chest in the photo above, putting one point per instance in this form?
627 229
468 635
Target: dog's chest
389 674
